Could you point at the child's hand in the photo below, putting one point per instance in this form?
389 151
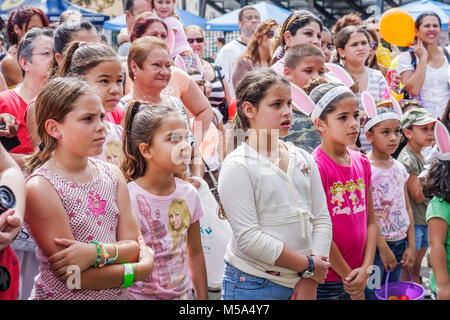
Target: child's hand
83 255
355 282
305 289
443 292
321 266
359 296
408 258
388 258
10 225
146 259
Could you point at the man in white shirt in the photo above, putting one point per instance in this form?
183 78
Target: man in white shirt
248 21
132 9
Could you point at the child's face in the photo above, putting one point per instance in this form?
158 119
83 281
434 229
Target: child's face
356 50
326 47
82 130
385 136
107 79
421 135
274 111
170 149
163 8
342 125
308 68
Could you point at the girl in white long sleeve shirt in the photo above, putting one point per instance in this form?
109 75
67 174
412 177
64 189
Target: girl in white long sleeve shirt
273 200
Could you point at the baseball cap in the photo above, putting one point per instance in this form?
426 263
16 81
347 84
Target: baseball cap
417 117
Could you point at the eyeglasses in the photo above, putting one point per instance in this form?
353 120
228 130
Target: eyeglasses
249 18
198 40
270 34
374 45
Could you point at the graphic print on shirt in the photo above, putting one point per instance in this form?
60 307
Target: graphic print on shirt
351 187
386 200
114 153
361 186
339 190
155 237
179 222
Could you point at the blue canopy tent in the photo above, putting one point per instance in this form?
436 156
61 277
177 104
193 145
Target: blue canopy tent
52 8
187 18
229 21
440 8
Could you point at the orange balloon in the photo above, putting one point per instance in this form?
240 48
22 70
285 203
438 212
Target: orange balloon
397 27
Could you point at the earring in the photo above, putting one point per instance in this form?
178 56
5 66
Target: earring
58 137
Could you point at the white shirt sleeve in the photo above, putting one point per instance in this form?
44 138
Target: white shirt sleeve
238 200
321 220
404 63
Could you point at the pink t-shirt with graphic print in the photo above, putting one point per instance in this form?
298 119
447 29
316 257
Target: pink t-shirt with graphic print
164 223
388 190
346 190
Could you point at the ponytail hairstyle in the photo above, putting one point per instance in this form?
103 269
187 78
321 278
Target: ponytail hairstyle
293 23
140 124
252 88
80 57
54 101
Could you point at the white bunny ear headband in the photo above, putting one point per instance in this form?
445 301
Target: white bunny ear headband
371 109
443 141
304 103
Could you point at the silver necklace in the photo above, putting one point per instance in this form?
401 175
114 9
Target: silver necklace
71 176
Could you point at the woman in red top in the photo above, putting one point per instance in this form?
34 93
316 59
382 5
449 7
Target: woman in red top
35 53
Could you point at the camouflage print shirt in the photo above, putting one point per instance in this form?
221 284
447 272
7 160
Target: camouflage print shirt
303 134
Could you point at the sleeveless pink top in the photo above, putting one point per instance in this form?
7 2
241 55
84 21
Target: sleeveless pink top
93 216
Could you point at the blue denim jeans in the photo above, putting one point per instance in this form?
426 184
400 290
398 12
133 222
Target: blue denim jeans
421 235
238 285
397 248
333 290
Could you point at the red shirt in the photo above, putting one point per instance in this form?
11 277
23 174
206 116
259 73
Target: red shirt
12 103
9 273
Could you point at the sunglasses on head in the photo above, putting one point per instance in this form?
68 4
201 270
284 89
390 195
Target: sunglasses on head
198 40
270 34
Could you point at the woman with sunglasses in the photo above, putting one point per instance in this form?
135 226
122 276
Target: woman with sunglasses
212 73
257 54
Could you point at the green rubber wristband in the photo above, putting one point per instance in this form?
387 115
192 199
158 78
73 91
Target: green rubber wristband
128 275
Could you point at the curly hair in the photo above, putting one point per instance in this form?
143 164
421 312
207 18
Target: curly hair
351 19
437 182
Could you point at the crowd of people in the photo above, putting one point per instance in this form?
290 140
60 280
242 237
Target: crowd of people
314 161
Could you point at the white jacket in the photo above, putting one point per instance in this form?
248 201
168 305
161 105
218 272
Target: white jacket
267 209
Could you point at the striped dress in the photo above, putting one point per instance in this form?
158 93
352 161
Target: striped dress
217 96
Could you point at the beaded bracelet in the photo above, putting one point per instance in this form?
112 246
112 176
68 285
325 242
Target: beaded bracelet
99 253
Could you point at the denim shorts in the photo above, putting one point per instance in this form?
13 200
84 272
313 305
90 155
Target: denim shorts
333 290
238 285
397 248
421 234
